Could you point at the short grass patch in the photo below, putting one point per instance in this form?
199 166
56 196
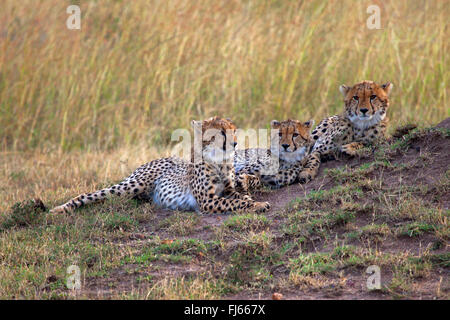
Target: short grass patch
180 223
177 251
246 222
307 224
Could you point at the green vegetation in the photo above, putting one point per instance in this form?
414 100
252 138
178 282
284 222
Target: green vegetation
181 223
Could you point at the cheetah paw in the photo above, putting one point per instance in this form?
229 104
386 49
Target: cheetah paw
254 181
261 206
304 177
350 149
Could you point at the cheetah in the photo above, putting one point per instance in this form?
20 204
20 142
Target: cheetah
362 122
294 163
203 184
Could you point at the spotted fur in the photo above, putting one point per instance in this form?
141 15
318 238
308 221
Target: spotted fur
290 162
202 185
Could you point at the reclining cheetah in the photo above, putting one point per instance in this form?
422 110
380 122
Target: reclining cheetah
363 121
204 185
294 162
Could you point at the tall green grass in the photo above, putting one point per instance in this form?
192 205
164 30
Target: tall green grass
139 69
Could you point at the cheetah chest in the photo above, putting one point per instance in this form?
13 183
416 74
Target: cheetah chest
173 191
370 134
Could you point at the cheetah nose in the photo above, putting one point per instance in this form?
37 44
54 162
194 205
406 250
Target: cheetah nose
363 110
285 146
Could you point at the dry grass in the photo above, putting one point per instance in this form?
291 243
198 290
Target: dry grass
114 90
176 289
55 176
139 69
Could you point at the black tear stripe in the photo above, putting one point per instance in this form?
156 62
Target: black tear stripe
373 107
224 147
293 142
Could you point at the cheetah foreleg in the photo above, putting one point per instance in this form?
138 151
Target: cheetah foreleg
310 168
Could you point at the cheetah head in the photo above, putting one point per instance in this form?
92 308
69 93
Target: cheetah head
294 139
366 103
218 139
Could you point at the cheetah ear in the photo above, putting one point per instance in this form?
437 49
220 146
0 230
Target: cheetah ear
344 89
387 87
275 124
229 120
195 123
309 124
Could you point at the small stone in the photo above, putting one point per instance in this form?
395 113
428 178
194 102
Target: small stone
277 296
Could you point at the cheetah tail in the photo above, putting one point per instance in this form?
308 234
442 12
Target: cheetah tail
125 188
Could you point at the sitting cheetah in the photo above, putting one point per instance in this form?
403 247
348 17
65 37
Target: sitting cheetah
294 162
363 121
204 185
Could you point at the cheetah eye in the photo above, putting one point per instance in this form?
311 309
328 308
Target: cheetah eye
356 98
295 134
372 97
280 134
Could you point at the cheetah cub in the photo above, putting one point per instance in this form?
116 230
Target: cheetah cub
362 122
203 184
289 164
